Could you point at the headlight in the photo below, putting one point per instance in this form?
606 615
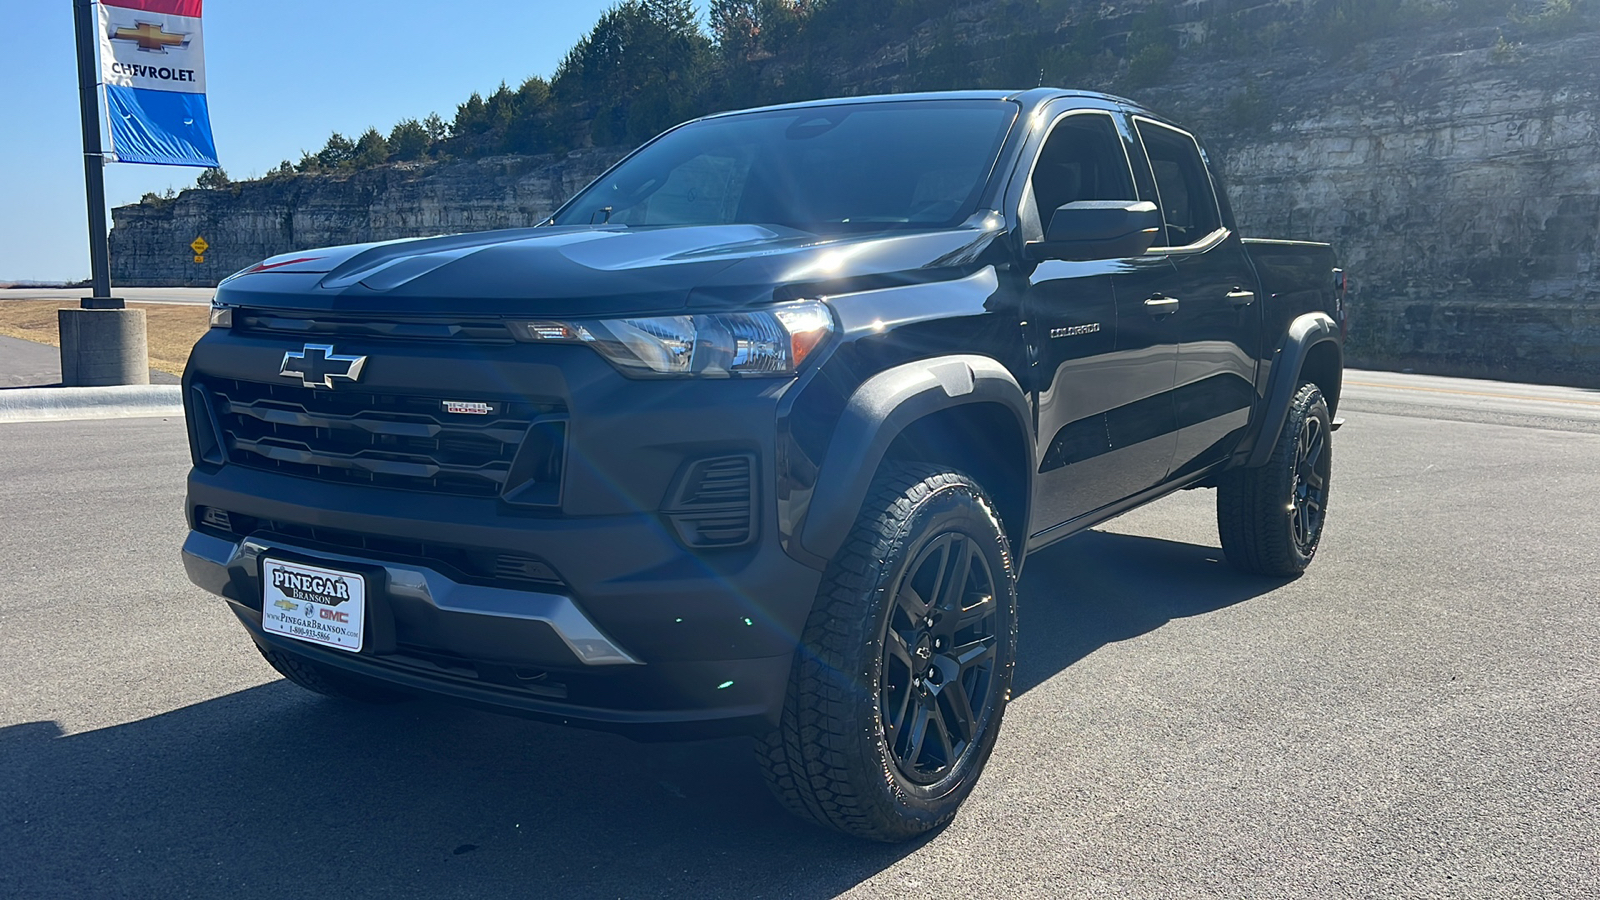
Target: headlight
772 341
221 316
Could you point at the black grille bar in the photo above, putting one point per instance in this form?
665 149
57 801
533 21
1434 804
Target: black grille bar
486 331
361 437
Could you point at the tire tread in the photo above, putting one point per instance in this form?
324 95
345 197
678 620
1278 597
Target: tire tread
1250 502
813 768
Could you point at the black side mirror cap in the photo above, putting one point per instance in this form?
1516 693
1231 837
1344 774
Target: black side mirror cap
1098 229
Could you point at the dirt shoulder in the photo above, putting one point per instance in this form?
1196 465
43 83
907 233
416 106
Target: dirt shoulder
172 328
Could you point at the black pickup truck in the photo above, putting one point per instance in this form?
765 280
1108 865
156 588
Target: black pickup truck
754 435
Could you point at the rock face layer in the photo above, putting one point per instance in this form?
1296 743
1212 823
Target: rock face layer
1457 174
1460 185
250 221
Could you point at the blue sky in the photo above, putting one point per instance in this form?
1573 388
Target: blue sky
282 75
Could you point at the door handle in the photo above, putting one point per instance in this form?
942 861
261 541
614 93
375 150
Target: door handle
1161 306
1241 298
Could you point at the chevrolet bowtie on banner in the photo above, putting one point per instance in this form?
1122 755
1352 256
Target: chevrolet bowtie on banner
152 59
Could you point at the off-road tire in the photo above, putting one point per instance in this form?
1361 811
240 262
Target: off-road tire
831 759
1262 513
328 681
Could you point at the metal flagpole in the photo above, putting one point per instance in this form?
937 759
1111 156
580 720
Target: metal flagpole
94 177
102 342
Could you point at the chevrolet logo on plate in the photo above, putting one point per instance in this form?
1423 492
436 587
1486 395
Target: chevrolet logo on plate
150 36
285 605
317 365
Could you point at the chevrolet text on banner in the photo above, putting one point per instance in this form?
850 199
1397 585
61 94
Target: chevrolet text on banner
152 60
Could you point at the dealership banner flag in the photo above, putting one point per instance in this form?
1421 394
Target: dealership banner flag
152 61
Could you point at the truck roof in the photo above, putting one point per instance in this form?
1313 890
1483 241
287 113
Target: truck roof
1029 99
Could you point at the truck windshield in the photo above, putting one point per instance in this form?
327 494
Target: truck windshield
857 167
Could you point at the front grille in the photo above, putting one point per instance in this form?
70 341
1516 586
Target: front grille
469 565
714 502
395 441
325 326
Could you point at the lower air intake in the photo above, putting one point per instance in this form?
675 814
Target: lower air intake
713 503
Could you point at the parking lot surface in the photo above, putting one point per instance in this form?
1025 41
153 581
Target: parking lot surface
1417 716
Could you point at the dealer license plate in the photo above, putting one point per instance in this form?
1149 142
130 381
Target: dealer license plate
312 603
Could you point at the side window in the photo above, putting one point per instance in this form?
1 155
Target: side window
1083 159
1188 203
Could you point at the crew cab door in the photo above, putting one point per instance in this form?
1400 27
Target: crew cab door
1087 378
1211 293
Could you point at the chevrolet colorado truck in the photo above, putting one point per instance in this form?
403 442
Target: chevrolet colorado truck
755 434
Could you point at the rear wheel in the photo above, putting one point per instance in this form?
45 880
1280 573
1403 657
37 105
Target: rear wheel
1271 518
329 681
904 672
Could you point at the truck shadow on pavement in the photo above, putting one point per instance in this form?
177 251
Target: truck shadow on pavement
1101 587
271 792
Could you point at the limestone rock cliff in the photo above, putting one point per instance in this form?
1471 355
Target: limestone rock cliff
1457 172
249 221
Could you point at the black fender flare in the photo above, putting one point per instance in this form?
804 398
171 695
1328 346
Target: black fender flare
1305 332
878 411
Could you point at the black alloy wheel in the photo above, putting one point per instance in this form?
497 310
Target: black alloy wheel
904 668
1271 518
1313 465
939 658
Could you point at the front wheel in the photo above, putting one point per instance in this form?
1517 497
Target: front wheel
1271 518
904 668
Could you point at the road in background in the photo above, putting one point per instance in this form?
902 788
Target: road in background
1417 716
71 296
1471 400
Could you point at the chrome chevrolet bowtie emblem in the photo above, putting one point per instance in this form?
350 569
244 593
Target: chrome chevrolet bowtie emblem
317 365
151 36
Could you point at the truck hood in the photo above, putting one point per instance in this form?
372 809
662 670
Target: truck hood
590 271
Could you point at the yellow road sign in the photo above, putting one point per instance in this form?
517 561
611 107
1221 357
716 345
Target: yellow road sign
199 247
198 258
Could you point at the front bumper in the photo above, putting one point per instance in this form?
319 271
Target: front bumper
630 624
530 653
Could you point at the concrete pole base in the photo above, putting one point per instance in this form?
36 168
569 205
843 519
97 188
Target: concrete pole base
103 347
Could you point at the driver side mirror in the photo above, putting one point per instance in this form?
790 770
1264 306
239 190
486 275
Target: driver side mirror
1098 229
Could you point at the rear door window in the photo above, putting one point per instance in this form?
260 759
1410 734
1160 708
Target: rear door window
1188 202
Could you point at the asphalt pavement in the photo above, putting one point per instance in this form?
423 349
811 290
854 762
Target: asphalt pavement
1418 716
26 364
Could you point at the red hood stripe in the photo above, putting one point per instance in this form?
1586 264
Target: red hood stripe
267 267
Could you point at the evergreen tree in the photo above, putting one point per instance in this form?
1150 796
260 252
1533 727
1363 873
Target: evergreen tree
528 130
408 140
436 128
338 154
212 179
371 150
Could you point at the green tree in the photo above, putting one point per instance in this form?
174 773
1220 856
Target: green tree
408 140
644 66
212 179
472 117
436 128
371 150
339 152
528 130
1152 47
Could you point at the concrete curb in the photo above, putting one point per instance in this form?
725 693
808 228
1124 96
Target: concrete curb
66 403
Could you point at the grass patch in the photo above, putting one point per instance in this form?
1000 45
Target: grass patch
171 328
